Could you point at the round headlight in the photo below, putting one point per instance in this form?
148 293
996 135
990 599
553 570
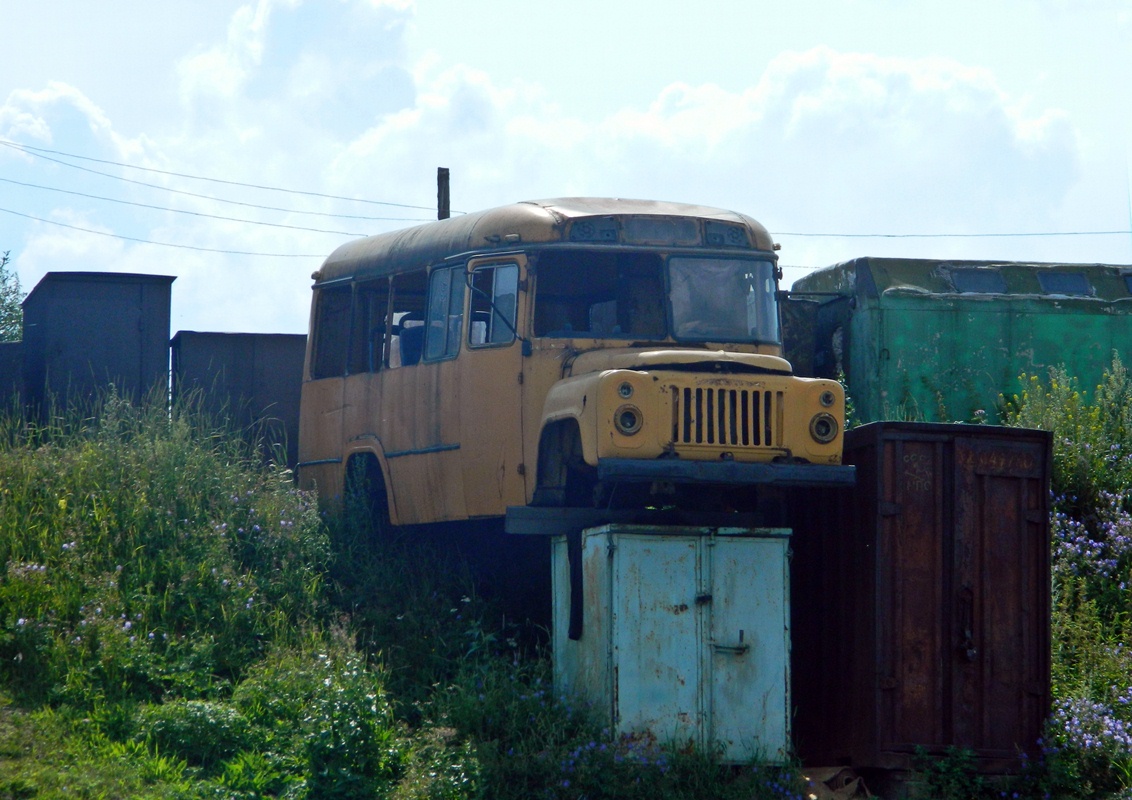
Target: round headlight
827 398
823 427
625 389
628 420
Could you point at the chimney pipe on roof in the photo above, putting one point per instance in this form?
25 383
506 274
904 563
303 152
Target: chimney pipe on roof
442 202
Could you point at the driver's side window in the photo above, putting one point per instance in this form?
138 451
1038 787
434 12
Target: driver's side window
495 294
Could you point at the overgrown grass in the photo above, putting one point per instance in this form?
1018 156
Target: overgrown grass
1087 752
177 621
1090 732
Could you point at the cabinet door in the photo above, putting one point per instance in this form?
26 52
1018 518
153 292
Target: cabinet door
1000 597
656 636
749 672
912 662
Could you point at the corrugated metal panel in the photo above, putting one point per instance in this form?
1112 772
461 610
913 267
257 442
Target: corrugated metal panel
684 633
253 378
921 598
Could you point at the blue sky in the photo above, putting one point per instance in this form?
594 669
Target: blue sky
855 117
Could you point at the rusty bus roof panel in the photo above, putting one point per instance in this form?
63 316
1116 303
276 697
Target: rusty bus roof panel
508 227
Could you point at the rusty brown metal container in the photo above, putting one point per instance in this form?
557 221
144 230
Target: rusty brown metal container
921 598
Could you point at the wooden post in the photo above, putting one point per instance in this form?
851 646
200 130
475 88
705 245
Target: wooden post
442 201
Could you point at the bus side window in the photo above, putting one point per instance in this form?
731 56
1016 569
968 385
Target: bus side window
445 313
408 312
367 335
331 333
495 293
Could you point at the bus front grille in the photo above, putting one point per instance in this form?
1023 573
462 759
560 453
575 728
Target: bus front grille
726 417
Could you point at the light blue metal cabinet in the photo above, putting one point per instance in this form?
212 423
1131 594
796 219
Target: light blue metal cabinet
684 634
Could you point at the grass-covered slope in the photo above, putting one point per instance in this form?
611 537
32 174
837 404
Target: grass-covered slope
176 620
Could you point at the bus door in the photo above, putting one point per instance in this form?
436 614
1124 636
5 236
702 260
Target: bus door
420 392
491 382
320 424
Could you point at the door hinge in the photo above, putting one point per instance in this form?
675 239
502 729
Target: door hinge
520 379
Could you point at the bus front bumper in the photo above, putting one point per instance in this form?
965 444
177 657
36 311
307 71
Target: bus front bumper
678 470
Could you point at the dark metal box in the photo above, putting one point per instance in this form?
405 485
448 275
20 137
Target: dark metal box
11 371
921 598
86 330
255 379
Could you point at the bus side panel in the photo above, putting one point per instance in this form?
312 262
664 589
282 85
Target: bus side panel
413 412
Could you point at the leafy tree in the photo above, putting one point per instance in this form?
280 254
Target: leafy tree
11 296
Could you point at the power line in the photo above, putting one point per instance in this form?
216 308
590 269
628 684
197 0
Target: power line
220 199
28 147
322 255
179 210
39 151
162 244
950 235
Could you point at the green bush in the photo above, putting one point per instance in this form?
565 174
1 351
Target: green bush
1092 438
351 744
202 732
1089 746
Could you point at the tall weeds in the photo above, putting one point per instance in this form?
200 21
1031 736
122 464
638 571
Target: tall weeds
176 620
137 541
1091 526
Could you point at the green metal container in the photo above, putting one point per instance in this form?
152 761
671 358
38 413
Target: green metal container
943 341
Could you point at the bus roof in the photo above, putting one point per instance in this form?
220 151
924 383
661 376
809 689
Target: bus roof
541 222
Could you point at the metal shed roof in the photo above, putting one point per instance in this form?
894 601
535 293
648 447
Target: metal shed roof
871 277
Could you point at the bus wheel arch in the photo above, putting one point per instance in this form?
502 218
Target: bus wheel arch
564 478
365 494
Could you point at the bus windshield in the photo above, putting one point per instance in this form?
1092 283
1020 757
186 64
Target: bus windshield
621 295
723 300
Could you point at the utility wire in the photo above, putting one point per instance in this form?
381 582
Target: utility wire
39 151
28 147
950 235
221 199
322 255
163 244
179 210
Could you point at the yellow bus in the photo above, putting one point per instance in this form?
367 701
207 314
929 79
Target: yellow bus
579 352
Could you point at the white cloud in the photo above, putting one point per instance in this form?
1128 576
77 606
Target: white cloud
819 141
829 141
31 112
223 69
